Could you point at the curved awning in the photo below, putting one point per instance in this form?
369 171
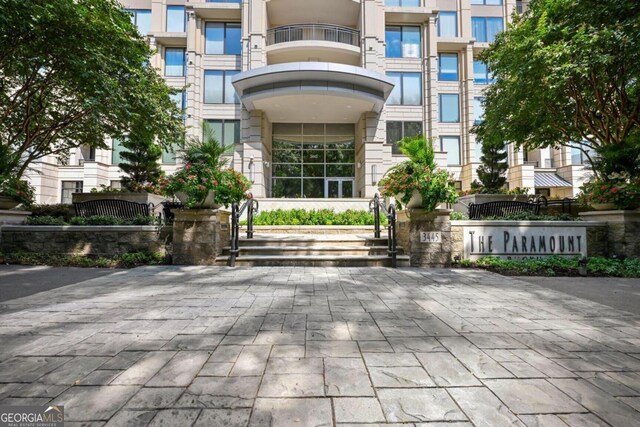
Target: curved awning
313 91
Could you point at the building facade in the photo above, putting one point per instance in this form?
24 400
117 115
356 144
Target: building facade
314 94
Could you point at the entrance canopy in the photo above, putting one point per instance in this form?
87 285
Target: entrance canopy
312 92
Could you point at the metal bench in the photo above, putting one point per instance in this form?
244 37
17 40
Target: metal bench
501 208
121 209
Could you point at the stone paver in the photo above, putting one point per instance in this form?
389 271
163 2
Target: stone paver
320 347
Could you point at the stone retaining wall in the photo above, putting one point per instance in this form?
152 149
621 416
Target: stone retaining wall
104 240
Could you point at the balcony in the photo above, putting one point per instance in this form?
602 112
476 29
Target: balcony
317 42
319 32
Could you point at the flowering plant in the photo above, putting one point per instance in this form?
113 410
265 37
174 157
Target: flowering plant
619 189
18 190
418 174
203 172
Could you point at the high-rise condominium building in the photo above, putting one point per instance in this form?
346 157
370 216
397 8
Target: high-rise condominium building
314 94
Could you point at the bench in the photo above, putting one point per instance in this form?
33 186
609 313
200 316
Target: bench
501 208
121 209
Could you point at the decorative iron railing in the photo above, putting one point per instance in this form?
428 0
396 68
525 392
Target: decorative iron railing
320 32
251 206
375 206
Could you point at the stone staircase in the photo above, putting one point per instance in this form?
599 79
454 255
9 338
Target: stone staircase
317 249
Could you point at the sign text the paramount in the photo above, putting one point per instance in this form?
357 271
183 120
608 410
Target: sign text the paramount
523 242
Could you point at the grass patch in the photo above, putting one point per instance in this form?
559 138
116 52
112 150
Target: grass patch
127 260
557 266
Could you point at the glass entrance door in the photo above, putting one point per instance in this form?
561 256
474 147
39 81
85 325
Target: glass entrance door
339 188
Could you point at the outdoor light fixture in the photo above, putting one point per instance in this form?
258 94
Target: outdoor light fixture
359 165
266 164
374 174
252 171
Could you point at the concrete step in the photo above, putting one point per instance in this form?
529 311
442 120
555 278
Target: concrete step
287 240
314 261
294 250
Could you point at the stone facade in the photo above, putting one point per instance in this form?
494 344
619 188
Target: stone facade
623 228
199 235
108 240
412 223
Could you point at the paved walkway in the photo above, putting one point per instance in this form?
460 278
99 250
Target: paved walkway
20 280
318 347
620 293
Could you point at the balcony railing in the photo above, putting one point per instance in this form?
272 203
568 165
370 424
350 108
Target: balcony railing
321 32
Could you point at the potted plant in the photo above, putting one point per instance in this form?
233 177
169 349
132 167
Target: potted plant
14 192
204 182
618 191
416 182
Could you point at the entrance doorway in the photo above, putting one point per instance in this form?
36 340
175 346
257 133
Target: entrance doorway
339 188
313 160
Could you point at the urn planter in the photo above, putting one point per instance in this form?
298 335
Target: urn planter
7 203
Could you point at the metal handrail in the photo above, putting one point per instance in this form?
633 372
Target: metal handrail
375 205
321 32
252 206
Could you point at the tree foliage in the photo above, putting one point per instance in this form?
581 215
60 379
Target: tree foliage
140 157
71 73
494 165
567 74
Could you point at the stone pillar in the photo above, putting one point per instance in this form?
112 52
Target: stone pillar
623 228
425 236
199 235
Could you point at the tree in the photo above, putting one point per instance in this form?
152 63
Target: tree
71 73
567 74
494 165
141 156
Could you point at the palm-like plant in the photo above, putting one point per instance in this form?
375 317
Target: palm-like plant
206 150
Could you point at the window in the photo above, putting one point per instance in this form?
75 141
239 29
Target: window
222 39
226 131
448 67
116 149
485 29
407 90
402 42
397 131
578 157
174 62
487 2
176 19
180 99
448 24
402 3
478 150
451 145
68 188
218 88
141 18
481 74
478 109
223 1
449 108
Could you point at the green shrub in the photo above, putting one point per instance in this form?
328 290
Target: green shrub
78 220
63 211
458 216
558 266
315 217
45 220
127 260
143 220
103 220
